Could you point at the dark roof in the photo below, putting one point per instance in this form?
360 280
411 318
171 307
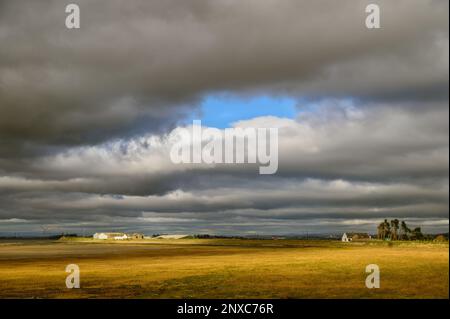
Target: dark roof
361 235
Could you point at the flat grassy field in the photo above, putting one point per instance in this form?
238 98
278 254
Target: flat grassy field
225 268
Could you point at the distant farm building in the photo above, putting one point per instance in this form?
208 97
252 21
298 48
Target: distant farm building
347 237
136 236
116 236
172 236
121 237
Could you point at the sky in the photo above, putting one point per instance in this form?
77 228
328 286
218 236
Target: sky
222 110
88 116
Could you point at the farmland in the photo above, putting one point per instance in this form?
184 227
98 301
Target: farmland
222 268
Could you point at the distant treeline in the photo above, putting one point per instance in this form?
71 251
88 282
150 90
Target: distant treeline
59 236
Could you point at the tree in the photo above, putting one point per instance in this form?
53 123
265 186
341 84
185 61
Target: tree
380 231
405 230
384 230
387 229
395 226
417 233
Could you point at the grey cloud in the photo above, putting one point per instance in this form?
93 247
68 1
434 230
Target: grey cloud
379 144
142 65
335 162
79 107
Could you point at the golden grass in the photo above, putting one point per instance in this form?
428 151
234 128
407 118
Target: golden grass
197 268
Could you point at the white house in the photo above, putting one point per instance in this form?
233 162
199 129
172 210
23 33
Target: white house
345 238
355 236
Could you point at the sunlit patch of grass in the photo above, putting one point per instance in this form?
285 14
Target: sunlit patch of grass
220 268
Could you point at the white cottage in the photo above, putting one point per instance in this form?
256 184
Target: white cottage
347 237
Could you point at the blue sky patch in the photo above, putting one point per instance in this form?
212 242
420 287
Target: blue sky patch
220 110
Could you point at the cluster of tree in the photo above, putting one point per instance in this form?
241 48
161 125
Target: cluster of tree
398 231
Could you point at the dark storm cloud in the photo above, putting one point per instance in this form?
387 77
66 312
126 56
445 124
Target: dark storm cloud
369 144
87 115
136 64
336 162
